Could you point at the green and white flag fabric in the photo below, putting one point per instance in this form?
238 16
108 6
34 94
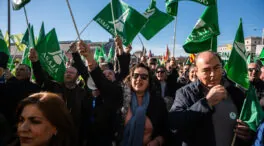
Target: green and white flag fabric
128 21
51 57
96 54
261 56
172 7
41 33
236 68
204 34
111 54
102 53
249 59
156 21
29 41
251 112
18 4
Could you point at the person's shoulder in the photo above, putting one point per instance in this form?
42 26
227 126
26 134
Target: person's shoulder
193 86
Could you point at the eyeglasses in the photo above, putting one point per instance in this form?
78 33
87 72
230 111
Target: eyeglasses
160 71
251 69
142 76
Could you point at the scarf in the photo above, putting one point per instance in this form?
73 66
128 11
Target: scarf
134 130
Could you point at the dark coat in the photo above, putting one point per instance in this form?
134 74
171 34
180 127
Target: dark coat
191 116
12 92
100 130
72 97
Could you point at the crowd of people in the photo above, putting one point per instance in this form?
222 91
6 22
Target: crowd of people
126 104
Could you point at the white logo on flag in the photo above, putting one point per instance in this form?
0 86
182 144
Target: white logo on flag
149 13
240 49
17 2
200 23
57 56
119 23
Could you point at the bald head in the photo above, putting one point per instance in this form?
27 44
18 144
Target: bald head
207 55
209 68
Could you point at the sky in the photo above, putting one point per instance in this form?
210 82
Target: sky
55 14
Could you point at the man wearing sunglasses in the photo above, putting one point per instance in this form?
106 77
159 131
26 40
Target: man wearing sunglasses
254 78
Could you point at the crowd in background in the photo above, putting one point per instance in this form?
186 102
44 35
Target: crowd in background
124 103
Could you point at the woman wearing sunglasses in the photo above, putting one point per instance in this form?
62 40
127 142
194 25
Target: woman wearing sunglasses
144 116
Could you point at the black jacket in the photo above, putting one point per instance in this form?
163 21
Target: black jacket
191 116
12 92
72 97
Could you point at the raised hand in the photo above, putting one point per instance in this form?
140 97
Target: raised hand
216 95
33 55
73 47
119 45
84 50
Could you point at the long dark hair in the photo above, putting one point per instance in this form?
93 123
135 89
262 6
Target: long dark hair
127 80
56 112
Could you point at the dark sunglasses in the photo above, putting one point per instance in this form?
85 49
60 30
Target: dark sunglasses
251 69
160 71
142 76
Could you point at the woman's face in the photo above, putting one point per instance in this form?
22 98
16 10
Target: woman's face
33 128
192 74
140 80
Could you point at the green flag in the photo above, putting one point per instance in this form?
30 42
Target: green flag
128 21
251 112
188 62
18 4
249 59
172 7
96 54
102 53
41 33
156 21
28 40
204 34
261 56
3 45
51 57
111 54
4 52
236 68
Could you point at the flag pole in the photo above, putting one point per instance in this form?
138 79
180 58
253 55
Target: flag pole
113 17
174 40
140 41
25 12
211 44
73 20
9 24
84 29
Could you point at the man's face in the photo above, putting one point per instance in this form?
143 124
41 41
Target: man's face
22 72
70 75
209 69
109 75
168 67
262 73
186 68
161 74
253 72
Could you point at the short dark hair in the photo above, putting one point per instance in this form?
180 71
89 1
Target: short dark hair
127 80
